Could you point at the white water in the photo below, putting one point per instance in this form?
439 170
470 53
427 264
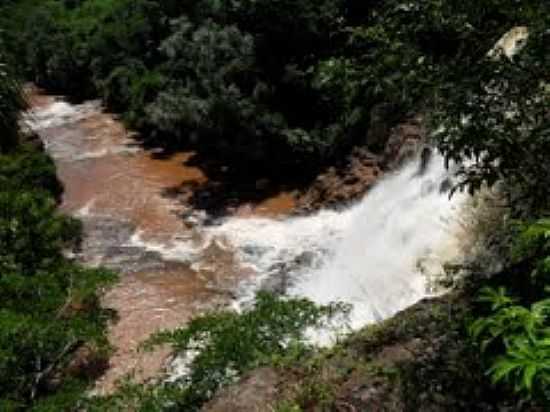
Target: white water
379 255
60 113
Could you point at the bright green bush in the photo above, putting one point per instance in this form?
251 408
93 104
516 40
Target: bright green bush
533 245
219 347
516 340
224 345
514 334
49 306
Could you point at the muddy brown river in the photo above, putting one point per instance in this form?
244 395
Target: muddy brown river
132 224
152 217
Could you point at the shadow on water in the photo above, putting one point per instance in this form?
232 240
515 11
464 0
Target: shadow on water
229 187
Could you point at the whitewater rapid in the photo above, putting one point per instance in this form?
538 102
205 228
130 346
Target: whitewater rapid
381 255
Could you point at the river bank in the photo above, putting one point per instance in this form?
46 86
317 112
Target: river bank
180 256
131 225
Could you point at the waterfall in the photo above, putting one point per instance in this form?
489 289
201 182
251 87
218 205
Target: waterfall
379 255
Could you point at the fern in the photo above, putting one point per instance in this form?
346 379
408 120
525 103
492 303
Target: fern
498 298
526 365
516 340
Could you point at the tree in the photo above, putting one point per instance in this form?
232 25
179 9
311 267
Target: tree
11 105
497 123
50 306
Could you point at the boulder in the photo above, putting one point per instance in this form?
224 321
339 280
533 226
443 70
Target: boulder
349 181
256 392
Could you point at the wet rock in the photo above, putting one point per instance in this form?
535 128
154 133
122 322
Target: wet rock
446 186
404 142
425 157
87 363
339 186
510 43
132 259
34 140
256 392
280 279
107 242
348 182
193 219
305 259
277 283
380 126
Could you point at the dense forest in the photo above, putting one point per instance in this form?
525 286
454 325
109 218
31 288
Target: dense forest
283 87
300 80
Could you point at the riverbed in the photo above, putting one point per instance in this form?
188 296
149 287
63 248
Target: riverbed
142 217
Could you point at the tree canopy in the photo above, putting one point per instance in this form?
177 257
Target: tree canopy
285 86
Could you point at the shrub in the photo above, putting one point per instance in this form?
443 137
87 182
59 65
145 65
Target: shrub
222 346
11 104
516 340
50 305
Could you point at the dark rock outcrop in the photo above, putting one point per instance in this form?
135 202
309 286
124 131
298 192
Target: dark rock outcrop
254 393
342 184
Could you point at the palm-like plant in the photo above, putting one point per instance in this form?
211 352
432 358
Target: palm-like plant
520 336
526 364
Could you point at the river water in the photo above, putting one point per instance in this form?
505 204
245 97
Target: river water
120 191
380 255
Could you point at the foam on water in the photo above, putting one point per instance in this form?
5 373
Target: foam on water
63 145
179 250
378 255
105 152
60 113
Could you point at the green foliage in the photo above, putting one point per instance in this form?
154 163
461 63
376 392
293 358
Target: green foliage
517 341
218 348
288 407
13 15
533 243
27 169
298 81
54 57
513 328
493 121
31 233
50 306
73 49
129 88
11 104
526 365
221 95
221 346
498 120
209 65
